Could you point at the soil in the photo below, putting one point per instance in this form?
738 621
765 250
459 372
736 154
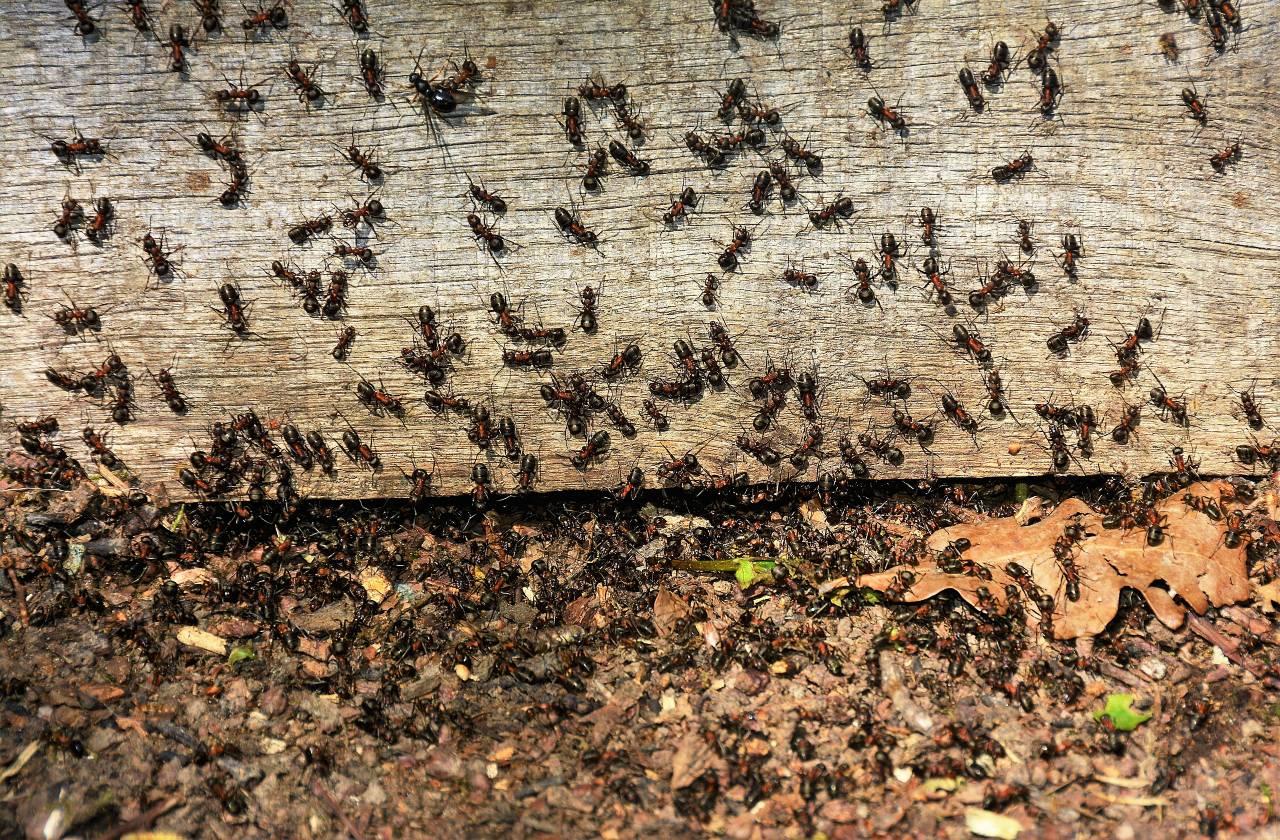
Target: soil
578 667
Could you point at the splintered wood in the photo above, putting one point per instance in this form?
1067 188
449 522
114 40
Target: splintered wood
1129 218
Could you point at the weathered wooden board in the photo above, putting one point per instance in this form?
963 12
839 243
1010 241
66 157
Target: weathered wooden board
1124 168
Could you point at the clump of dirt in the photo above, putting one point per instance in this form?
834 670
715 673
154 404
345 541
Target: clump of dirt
572 666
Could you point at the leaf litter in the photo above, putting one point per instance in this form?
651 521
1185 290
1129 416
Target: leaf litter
1191 566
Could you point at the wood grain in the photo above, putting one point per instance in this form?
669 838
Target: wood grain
1124 168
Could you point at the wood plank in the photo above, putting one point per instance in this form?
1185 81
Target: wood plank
1124 168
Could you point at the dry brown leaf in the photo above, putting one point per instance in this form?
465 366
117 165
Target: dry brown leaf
1191 562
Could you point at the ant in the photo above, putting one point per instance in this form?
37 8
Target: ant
630 121
687 200
336 297
238 100
573 120
370 212
958 415
308 228
99 227
527 475
13 288
928 226
841 208
1127 425
734 94
656 416
999 66
234 309
238 186
587 315
371 73
882 448
1169 406
760 189
1249 406
481 432
217 149
510 438
156 258
574 229
72 214
885 115
356 252
724 343
273 15
342 349
437 401
97 443
939 286
728 259
971 90
139 15
1071 253
486 233
1076 331
807 449
169 390
971 343
210 16
593 89
1007 171
628 158
597 166
353 12
758 449
858 48
997 403
1058 447
359 451
85 25
889 254
1085 423
483 196
712 156
631 487
919 431
800 277
1193 102
786 188
178 43
68 152
75 319
527 358
799 154
1024 237
1050 92
304 82
593 450
1038 57
363 161
710 284
1230 154
419 484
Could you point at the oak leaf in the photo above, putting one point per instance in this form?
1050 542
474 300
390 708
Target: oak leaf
1190 564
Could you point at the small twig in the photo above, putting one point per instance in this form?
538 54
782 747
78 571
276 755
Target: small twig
143 820
20 594
323 793
1229 647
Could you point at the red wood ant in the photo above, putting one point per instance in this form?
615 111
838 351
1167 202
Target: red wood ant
85 25
631 487
882 448
178 44
210 16
958 414
1127 425
342 349
13 288
1194 104
657 418
304 82
921 432
735 93
336 297
1230 154
156 258
99 227
68 152
1024 237
1169 407
712 156
728 260
465 75
573 120
1085 424
1249 406
97 443
858 48
798 153
1050 92
355 252
139 15
997 403
486 234
760 189
1017 166
587 319
628 158
480 194
939 286
527 475
359 451
363 161
308 228
758 449
885 115
234 309
527 358
237 100
680 206
420 481
862 273
239 185
1076 331
710 284
999 66
799 277
574 229
971 343
724 343
1038 57
629 120
217 149
72 214
353 12
371 73
510 438
437 401
370 213
169 390
1071 252
592 451
841 208
971 90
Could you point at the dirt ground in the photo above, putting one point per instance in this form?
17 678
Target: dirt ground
592 668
